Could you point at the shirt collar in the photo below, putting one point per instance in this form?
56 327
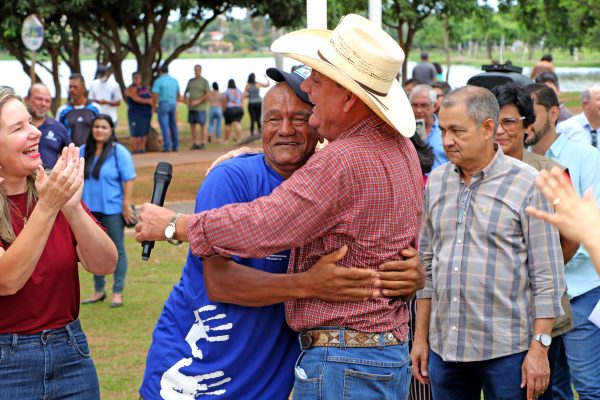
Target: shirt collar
557 147
498 160
372 121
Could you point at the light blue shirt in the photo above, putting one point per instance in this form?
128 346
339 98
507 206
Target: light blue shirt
435 141
583 162
576 128
167 89
105 194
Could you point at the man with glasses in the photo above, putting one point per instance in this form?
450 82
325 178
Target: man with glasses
488 265
584 127
422 100
580 344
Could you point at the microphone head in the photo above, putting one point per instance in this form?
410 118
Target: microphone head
164 171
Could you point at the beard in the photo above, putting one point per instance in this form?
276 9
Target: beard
535 136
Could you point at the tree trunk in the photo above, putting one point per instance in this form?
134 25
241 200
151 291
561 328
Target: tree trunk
447 44
55 78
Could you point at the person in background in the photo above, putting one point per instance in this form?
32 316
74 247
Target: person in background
45 230
442 89
252 92
439 72
580 359
215 113
424 72
196 93
233 112
584 127
422 100
165 95
78 113
54 134
550 79
109 173
545 64
139 112
106 94
409 85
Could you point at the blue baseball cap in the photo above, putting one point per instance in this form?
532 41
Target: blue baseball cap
294 79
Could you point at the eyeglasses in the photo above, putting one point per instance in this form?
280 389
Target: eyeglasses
510 124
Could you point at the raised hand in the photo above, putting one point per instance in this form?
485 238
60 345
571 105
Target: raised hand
63 182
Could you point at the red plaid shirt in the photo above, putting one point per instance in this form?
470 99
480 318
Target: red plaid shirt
364 190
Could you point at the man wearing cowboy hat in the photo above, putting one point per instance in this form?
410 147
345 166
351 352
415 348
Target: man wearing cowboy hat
362 190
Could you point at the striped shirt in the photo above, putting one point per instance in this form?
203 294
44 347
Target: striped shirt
487 262
364 189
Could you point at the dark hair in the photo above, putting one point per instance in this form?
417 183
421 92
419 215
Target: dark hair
438 68
164 69
511 93
543 95
444 86
135 73
547 76
424 55
425 153
547 57
215 86
411 81
90 148
231 84
77 77
252 78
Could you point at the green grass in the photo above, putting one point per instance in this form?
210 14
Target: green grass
119 338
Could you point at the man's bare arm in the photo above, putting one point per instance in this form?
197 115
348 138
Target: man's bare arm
229 282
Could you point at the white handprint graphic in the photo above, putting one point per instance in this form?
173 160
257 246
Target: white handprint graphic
174 384
201 330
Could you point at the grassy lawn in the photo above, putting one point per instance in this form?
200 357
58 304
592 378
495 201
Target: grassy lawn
119 338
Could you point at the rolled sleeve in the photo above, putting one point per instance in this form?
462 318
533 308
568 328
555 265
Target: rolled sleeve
545 261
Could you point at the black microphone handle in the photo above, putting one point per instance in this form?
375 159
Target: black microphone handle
162 180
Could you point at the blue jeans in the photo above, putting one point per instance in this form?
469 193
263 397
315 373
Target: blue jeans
367 373
582 346
53 364
215 115
500 378
115 227
168 125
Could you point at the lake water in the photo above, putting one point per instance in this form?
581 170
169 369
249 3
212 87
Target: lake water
221 70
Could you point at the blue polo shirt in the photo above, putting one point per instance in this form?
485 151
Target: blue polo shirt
54 138
210 350
583 162
435 141
167 89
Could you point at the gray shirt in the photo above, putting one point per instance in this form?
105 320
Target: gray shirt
424 72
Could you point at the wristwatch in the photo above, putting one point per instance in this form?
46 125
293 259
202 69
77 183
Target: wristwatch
544 339
170 230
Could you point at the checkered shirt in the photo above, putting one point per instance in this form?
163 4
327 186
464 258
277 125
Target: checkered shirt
364 189
488 264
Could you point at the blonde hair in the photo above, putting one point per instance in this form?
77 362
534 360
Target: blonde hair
7 234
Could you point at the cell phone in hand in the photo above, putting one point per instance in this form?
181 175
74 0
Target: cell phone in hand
421 129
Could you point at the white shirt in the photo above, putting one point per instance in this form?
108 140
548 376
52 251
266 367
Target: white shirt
105 90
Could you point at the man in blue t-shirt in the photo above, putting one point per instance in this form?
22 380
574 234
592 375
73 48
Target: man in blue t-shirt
54 134
222 331
165 95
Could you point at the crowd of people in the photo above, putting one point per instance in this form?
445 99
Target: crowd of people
443 243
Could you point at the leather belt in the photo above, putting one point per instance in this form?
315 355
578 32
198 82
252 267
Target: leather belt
352 338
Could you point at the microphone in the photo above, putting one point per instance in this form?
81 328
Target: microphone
162 179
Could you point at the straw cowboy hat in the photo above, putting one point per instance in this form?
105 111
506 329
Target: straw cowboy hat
362 58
